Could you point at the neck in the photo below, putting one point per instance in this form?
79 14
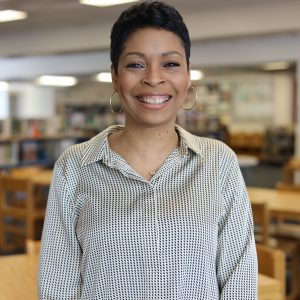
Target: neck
144 149
149 140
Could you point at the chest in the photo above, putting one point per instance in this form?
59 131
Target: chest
171 211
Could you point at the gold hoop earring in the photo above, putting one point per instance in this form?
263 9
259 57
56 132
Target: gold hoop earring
195 100
110 104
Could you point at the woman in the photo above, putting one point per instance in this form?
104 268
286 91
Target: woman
147 210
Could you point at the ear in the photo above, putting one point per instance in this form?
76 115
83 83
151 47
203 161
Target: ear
114 78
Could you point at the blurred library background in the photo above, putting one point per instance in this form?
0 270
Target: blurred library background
251 109
55 89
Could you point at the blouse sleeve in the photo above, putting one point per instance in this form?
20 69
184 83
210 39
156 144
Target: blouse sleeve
59 266
236 259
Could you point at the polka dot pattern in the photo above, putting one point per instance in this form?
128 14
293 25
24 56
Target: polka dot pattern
186 234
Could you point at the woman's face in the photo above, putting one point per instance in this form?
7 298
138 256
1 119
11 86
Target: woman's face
152 78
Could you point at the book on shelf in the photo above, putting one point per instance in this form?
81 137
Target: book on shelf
29 151
9 153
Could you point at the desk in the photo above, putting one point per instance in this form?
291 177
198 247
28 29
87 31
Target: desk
282 204
269 288
246 161
18 277
18 280
42 178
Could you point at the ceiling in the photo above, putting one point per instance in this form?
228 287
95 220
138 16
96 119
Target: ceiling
58 29
62 26
58 14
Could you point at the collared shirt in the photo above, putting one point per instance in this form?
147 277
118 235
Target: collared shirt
186 234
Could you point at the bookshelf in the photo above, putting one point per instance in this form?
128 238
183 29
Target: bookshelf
22 151
40 141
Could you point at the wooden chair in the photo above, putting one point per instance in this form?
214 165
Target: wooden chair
290 180
261 217
20 217
271 262
33 247
289 183
291 249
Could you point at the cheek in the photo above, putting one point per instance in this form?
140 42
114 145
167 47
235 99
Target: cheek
182 86
125 89
181 80
122 89
125 83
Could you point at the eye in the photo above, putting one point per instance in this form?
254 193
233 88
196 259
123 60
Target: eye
135 66
172 65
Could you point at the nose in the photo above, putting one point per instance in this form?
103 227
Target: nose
153 76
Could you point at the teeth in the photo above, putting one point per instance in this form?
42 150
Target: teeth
154 99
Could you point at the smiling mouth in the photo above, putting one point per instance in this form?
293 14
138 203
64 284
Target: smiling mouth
153 99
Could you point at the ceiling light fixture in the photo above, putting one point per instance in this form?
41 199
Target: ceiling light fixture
4 86
103 77
103 3
56 80
276 66
12 15
196 75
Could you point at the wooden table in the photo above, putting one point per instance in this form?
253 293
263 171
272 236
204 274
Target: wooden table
269 288
18 280
282 204
42 178
18 277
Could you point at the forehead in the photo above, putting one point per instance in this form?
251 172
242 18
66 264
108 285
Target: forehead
153 40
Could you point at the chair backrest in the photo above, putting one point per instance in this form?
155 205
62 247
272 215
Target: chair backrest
21 214
261 219
33 247
290 172
13 191
271 262
25 172
283 186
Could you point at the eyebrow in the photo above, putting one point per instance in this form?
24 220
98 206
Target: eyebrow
143 55
172 53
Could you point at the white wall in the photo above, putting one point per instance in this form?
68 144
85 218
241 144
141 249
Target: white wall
297 125
4 105
33 102
229 52
222 20
267 100
283 100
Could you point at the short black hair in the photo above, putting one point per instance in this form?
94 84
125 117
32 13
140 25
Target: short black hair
154 14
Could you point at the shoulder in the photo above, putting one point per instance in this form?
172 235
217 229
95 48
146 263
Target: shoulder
214 146
207 148
218 155
78 155
72 155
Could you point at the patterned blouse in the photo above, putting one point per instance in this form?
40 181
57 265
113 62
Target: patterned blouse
187 234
